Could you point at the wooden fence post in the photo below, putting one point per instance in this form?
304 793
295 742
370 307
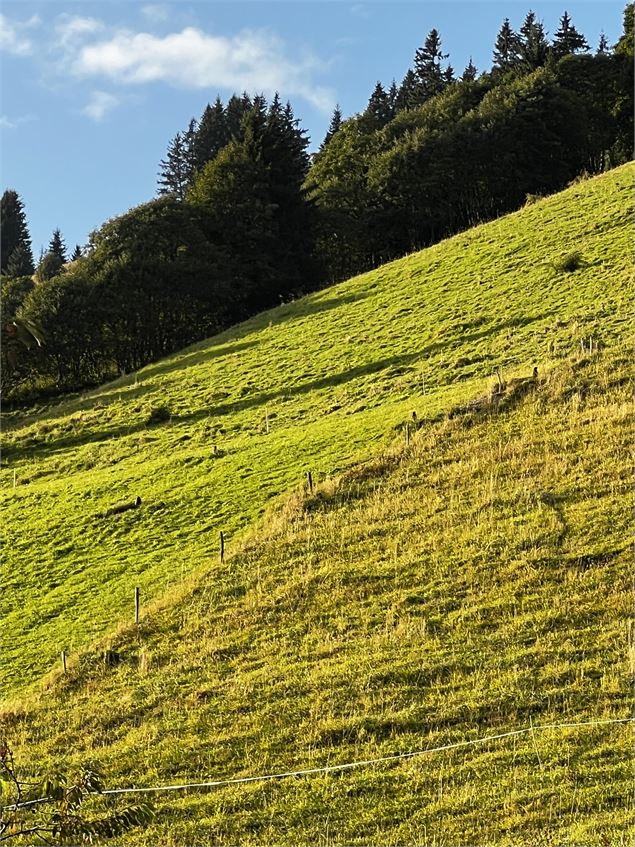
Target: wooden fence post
64 660
222 547
136 604
309 479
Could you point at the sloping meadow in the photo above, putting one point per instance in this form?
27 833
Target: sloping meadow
470 583
423 593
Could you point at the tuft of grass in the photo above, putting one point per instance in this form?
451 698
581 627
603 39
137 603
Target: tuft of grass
569 263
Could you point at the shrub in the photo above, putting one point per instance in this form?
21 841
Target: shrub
569 263
159 414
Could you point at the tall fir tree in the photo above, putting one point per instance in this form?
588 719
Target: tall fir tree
407 95
57 246
506 49
567 40
14 231
393 95
20 262
334 126
534 47
378 111
174 176
470 72
603 46
76 254
212 134
430 77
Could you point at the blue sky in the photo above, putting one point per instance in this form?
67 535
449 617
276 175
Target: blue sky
92 92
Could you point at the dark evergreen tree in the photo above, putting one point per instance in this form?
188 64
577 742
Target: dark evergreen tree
567 40
470 72
334 126
212 134
20 262
407 95
13 230
189 144
393 95
378 110
448 75
57 246
506 50
534 47
430 78
603 46
77 253
173 174
235 110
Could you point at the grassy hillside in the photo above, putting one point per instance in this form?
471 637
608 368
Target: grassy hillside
467 583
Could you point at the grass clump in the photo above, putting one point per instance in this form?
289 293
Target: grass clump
569 263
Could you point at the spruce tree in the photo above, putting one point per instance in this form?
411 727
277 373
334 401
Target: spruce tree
20 262
212 134
334 126
534 47
603 46
506 50
378 110
57 246
567 39
174 176
77 253
407 96
469 74
429 77
13 230
393 95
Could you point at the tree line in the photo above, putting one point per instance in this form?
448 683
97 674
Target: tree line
245 217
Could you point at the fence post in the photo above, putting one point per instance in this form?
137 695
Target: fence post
64 660
136 604
222 547
309 479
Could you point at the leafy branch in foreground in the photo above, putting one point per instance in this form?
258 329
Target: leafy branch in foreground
52 809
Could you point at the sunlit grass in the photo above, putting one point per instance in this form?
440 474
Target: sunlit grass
470 582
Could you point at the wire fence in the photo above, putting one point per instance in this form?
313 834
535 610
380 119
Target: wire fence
220 783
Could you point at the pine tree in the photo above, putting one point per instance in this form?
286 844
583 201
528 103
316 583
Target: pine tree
470 72
567 39
430 78
235 110
334 126
603 46
173 173
189 144
77 253
393 95
57 246
534 47
13 230
506 50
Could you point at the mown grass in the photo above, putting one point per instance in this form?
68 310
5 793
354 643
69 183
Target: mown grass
475 580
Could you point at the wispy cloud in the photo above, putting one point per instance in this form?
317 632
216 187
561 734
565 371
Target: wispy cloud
70 29
13 123
12 38
100 104
156 13
251 60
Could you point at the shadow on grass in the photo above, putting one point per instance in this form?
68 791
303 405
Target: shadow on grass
328 380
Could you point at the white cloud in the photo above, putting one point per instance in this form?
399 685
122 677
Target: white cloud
72 28
253 61
13 123
156 13
100 104
11 40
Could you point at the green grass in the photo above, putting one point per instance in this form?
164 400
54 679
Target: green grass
466 584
